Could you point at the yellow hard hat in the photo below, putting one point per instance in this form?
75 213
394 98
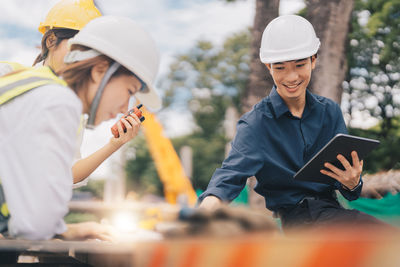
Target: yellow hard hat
70 14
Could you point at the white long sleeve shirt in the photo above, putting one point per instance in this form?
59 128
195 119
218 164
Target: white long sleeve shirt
6 68
37 144
77 154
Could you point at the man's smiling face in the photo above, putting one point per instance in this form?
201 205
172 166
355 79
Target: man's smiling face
292 77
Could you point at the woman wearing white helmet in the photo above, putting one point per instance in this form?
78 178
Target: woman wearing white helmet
283 132
64 21
110 59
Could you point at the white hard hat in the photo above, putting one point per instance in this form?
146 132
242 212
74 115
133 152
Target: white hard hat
127 43
288 37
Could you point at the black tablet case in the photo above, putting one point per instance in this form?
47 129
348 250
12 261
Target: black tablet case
340 144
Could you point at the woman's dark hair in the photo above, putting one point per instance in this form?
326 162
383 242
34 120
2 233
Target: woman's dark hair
60 34
78 74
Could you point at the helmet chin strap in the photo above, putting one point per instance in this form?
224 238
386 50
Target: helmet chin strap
95 103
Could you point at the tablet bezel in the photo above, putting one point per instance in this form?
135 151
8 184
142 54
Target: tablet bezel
311 170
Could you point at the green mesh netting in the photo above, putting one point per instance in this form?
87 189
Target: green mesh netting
386 209
242 198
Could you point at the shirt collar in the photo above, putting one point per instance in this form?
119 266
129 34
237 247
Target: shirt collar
279 106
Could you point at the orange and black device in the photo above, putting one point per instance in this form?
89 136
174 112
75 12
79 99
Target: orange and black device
136 110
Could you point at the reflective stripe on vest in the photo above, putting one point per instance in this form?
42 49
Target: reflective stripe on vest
18 83
12 86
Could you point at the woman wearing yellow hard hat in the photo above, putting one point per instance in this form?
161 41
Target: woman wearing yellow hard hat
63 22
109 60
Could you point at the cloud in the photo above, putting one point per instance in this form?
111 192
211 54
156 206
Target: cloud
15 50
176 25
24 13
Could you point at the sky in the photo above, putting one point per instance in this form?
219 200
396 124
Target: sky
175 25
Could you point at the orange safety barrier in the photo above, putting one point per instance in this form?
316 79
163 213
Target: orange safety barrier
330 247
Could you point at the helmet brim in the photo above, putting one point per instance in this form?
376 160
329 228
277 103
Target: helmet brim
150 99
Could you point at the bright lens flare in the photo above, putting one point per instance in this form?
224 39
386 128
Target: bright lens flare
125 222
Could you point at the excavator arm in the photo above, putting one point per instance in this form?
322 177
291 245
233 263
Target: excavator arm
169 167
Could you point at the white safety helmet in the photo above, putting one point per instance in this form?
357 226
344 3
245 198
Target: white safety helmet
127 43
286 38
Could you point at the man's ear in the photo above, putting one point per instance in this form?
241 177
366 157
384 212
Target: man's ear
313 61
51 40
98 71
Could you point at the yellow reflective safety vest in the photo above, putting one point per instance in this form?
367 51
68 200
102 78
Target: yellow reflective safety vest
8 66
25 80
12 86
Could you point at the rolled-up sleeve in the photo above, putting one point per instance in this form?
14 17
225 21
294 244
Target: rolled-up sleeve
350 195
242 162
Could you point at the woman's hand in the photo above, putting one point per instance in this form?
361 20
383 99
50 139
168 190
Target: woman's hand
89 230
132 125
350 176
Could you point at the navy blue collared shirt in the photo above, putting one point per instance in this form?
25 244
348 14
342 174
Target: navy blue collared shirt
272 145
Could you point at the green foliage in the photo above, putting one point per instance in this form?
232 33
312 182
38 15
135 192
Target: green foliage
78 217
384 26
142 176
373 82
215 79
387 155
96 187
222 71
207 156
302 12
205 81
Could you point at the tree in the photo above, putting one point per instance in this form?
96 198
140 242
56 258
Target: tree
331 19
387 155
372 85
205 81
260 82
141 172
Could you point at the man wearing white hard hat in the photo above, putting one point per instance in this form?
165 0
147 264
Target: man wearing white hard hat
283 131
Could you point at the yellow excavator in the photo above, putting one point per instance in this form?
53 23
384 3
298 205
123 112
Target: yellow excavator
177 187
169 167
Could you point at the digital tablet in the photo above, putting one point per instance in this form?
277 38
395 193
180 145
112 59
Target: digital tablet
342 144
